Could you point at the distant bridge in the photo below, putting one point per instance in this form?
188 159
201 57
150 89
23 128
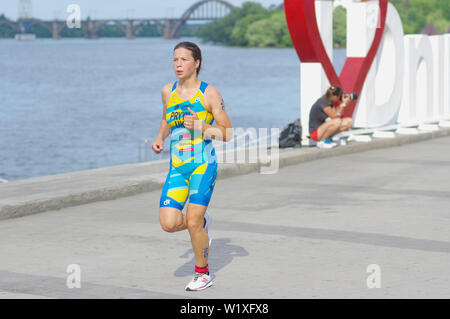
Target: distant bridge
204 10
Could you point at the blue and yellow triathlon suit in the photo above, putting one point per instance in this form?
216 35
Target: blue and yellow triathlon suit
193 164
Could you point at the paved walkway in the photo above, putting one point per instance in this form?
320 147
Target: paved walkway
308 231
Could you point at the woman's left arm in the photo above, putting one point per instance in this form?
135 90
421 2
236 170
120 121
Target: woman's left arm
222 130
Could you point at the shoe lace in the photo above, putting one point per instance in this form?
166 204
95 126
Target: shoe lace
197 275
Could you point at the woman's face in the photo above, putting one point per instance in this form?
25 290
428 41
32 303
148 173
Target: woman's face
335 98
184 64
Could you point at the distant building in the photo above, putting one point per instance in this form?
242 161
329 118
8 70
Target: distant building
430 29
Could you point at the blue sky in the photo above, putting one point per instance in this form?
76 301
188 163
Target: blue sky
101 9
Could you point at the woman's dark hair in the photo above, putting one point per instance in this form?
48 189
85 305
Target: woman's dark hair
196 53
333 90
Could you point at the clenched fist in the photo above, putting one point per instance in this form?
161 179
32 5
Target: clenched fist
158 146
189 120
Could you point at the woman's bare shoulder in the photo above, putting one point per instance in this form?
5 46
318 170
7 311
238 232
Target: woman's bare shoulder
165 93
213 98
167 88
212 91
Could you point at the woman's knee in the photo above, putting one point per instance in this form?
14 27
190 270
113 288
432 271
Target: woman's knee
169 220
194 223
169 227
347 123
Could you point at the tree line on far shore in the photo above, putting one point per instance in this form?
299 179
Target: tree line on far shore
252 25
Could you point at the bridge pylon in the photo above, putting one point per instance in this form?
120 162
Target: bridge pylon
56 30
169 26
129 30
91 30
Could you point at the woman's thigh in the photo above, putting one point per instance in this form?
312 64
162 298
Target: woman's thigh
334 123
175 190
201 184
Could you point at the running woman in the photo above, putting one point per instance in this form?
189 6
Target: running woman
190 107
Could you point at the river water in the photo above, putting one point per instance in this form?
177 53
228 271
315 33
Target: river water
76 104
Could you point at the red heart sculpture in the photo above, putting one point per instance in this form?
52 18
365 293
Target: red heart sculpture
302 24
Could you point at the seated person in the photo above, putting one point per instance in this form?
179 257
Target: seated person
321 130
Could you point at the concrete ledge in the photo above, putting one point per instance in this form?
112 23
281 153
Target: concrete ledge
46 204
36 195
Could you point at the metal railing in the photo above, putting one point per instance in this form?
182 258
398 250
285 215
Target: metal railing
146 145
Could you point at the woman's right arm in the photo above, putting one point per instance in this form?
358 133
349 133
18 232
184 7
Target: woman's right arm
330 112
164 129
336 112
